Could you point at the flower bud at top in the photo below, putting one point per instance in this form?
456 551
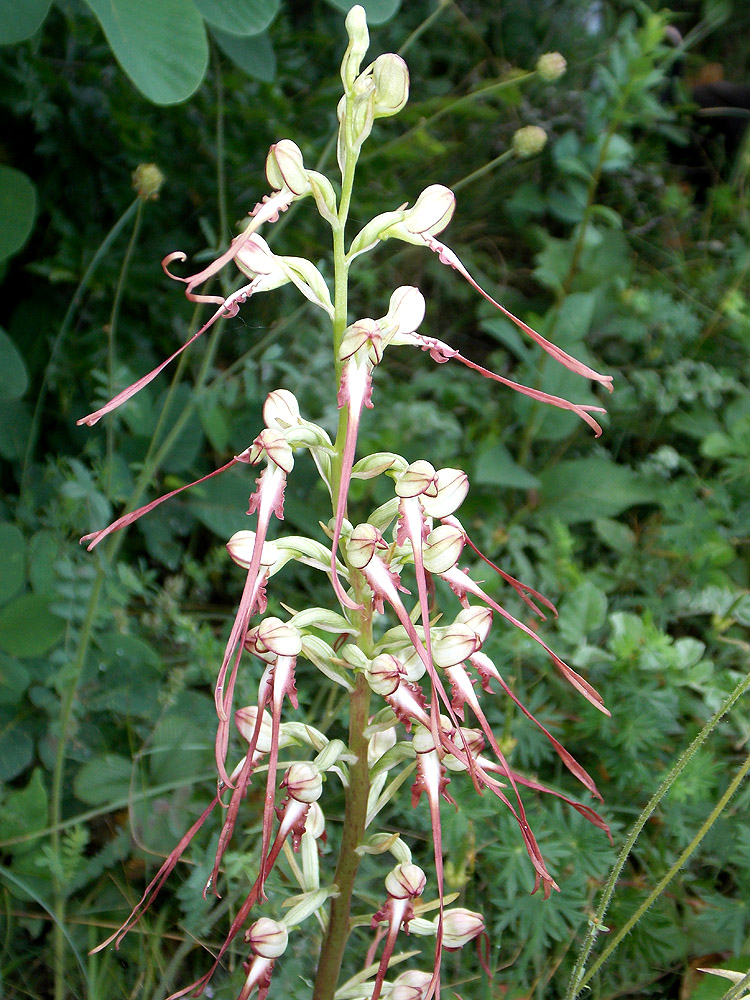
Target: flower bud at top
551 66
268 938
391 78
303 782
461 926
405 881
528 141
147 181
359 40
285 168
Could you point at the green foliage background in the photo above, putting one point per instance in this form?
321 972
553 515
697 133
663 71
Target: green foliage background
640 537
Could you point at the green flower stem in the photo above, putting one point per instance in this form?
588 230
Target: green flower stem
667 878
334 943
481 171
357 792
579 975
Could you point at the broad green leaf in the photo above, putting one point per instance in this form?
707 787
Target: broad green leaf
14 378
103 779
24 811
17 208
494 466
583 610
253 55
161 46
28 627
16 742
378 11
20 19
14 679
584 489
221 503
239 17
13 554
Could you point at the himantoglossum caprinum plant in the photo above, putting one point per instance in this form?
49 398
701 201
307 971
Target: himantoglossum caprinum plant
409 679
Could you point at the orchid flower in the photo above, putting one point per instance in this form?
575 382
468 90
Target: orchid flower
427 668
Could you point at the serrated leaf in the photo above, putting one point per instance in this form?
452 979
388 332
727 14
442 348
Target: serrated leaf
24 811
104 779
239 17
161 46
17 208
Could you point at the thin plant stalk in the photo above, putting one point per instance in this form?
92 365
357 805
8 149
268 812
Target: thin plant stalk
579 975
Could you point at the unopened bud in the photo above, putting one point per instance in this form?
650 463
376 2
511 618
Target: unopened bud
461 926
478 619
551 66
384 674
303 782
278 637
362 544
286 169
528 141
147 181
315 822
452 486
405 881
268 938
416 480
422 739
442 548
246 719
411 985
281 409
380 743
391 78
240 547
456 645
272 444
432 210
359 40
406 309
